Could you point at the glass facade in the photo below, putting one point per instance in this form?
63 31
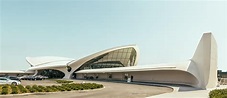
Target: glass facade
51 73
118 58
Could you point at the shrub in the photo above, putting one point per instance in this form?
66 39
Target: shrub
63 81
22 89
54 88
218 93
14 89
31 90
64 87
0 88
67 87
41 88
5 89
83 86
60 88
5 86
224 96
38 89
49 89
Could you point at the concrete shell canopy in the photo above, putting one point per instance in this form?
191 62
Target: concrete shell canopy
75 65
46 62
200 71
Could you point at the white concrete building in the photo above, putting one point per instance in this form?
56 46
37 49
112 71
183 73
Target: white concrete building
119 63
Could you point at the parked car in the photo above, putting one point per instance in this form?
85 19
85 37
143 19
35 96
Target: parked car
31 77
13 78
27 77
40 77
23 77
4 80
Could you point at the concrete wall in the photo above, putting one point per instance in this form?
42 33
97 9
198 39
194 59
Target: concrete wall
118 76
205 59
163 76
103 76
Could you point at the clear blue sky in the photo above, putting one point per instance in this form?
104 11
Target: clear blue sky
165 31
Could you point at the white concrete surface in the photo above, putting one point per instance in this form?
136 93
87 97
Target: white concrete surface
188 94
200 71
202 66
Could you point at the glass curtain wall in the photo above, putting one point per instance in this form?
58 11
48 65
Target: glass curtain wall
51 73
118 58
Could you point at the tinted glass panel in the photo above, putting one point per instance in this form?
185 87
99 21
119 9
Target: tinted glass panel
3 79
118 58
50 73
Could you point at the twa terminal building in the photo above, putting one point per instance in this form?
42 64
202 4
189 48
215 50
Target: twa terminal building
120 64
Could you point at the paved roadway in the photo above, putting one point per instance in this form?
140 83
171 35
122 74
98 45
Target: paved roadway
111 90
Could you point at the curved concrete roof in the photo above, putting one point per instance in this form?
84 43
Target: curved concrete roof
50 65
47 62
202 66
77 63
35 61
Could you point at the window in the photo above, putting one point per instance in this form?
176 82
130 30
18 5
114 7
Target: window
118 58
3 79
51 73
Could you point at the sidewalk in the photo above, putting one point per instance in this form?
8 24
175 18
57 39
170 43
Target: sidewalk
187 94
